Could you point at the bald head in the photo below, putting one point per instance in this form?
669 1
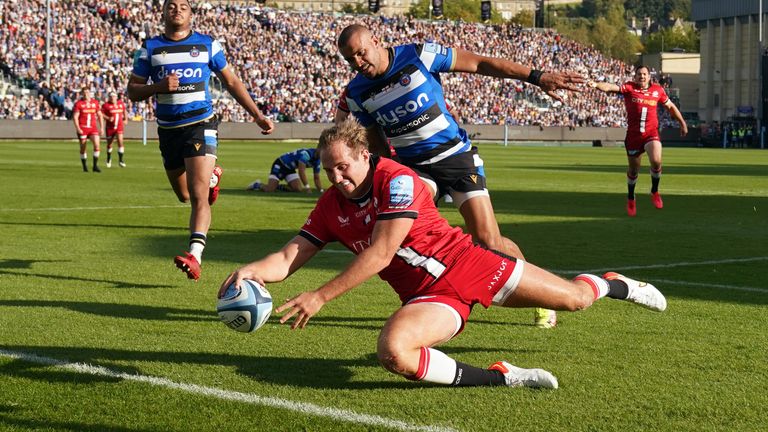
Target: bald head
362 51
354 31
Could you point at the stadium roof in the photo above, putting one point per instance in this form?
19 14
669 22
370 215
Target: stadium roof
702 10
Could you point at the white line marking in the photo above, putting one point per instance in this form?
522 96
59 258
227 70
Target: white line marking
302 407
708 285
49 209
670 265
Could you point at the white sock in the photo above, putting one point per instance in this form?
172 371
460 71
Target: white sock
196 249
435 367
598 284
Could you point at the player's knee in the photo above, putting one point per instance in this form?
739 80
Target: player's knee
392 358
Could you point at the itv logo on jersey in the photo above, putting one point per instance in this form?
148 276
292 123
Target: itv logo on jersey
394 115
180 72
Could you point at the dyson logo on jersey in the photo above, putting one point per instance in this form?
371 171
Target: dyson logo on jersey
180 72
394 115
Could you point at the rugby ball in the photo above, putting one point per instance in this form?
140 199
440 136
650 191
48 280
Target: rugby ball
245 308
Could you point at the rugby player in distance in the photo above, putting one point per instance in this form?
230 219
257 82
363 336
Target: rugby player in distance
381 211
88 124
641 98
179 62
397 94
115 117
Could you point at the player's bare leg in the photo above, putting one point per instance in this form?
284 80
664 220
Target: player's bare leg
83 155
653 149
120 150
406 342
96 152
481 223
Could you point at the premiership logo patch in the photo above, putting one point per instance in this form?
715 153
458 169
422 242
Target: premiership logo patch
405 80
401 191
194 52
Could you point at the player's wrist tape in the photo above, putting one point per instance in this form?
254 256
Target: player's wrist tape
534 77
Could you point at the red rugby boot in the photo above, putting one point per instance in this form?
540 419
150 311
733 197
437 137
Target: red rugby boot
189 265
213 194
631 207
656 200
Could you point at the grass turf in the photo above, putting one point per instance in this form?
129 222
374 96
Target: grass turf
86 276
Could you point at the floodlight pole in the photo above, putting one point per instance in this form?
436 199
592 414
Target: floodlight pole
48 43
760 76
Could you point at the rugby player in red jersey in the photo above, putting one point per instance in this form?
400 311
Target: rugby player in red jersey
115 117
382 212
88 122
641 98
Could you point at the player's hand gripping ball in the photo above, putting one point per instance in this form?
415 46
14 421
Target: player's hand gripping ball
245 309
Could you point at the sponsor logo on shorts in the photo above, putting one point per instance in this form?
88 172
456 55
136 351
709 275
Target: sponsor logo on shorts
497 276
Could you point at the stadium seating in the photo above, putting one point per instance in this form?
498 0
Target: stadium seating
289 61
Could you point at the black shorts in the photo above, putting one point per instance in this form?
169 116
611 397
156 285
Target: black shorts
197 139
462 173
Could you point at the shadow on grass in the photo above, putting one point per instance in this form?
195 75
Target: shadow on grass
120 310
47 424
116 284
320 373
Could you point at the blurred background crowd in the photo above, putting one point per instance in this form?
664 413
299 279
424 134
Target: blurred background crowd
288 61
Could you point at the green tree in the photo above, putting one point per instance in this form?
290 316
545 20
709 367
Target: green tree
659 10
465 10
685 37
358 8
523 18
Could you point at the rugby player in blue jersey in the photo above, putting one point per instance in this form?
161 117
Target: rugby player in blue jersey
292 167
397 95
179 64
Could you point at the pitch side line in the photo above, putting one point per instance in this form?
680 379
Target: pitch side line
250 398
657 266
49 209
708 285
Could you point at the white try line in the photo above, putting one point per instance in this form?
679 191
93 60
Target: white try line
709 285
661 266
53 209
250 398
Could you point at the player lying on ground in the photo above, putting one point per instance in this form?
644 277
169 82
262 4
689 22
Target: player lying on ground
292 167
382 212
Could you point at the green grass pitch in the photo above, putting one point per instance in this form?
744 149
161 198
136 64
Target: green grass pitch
99 331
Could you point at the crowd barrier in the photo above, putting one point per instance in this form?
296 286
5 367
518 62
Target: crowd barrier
61 129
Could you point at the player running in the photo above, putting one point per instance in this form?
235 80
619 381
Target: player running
397 94
115 115
292 167
180 62
88 123
382 212
641 97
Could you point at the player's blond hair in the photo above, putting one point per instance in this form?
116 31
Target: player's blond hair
350 132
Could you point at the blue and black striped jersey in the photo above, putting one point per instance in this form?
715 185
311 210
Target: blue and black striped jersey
407 101
192 59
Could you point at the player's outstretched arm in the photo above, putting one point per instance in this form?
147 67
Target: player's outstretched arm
672 108
387 237
237 89
276 266
604 86
549 82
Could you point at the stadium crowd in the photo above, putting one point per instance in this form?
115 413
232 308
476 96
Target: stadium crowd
288 61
